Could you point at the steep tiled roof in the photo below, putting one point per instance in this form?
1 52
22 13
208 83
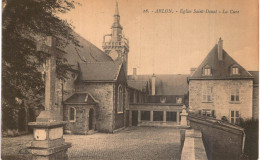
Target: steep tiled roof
87 53
100 71
80 98
167 84
221 69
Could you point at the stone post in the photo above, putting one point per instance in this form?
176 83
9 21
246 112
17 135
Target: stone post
151 116
184 115
164 116
48 142
139 117
178 118
130 118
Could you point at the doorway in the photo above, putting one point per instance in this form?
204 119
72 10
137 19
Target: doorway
91 119
134 118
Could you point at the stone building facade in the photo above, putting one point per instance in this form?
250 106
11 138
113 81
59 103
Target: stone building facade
221 102
222 88
255 94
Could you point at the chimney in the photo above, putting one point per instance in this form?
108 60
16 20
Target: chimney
134 71
220 49
153 84
192 70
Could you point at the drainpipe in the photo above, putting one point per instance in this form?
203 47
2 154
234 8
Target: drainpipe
243 141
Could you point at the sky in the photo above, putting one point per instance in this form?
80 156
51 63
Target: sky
172 43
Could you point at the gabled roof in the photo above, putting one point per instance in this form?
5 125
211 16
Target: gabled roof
221 69
81 98
87 53
165 84
100 71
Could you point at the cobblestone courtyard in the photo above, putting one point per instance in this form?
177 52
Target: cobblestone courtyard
132 143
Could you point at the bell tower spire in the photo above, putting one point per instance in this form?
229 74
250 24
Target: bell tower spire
116 10
116 27
117 45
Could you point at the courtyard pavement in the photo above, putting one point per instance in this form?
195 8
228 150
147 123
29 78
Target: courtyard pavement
132 143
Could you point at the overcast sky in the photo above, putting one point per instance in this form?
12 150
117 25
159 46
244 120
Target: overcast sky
172 43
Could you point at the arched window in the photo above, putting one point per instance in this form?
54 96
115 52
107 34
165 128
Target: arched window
120 100
72 114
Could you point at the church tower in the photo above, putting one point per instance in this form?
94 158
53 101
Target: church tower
115 44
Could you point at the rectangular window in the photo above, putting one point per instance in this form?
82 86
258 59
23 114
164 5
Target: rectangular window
171 116
145 115
234 95
131 97
206 112
234 70
207 94
72 114
157 115
234 118
207 71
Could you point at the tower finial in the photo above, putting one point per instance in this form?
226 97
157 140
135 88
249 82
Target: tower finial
116 10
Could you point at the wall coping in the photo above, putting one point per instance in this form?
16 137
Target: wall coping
193 148
225 126
156 104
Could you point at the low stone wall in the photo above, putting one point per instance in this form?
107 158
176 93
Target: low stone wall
222 140
193 148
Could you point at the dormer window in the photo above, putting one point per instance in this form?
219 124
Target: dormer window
162 99
234 71
207 71
179 100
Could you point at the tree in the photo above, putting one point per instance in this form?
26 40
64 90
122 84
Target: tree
24 23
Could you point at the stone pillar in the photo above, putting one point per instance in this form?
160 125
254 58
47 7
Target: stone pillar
178 118
139 117
184 115
48 142
151 116
130 118
164 116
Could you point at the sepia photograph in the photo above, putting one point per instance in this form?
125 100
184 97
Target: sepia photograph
130 80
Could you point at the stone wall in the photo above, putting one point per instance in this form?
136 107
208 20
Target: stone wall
193 147
256 102
119 119
221 102
103 93
64 89
222 140
81 124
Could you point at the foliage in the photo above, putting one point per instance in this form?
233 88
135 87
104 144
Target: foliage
24 23
224 118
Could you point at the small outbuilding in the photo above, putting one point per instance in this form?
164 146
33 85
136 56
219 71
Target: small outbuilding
80 112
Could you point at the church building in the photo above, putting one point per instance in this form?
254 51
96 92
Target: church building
95 95
100 95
